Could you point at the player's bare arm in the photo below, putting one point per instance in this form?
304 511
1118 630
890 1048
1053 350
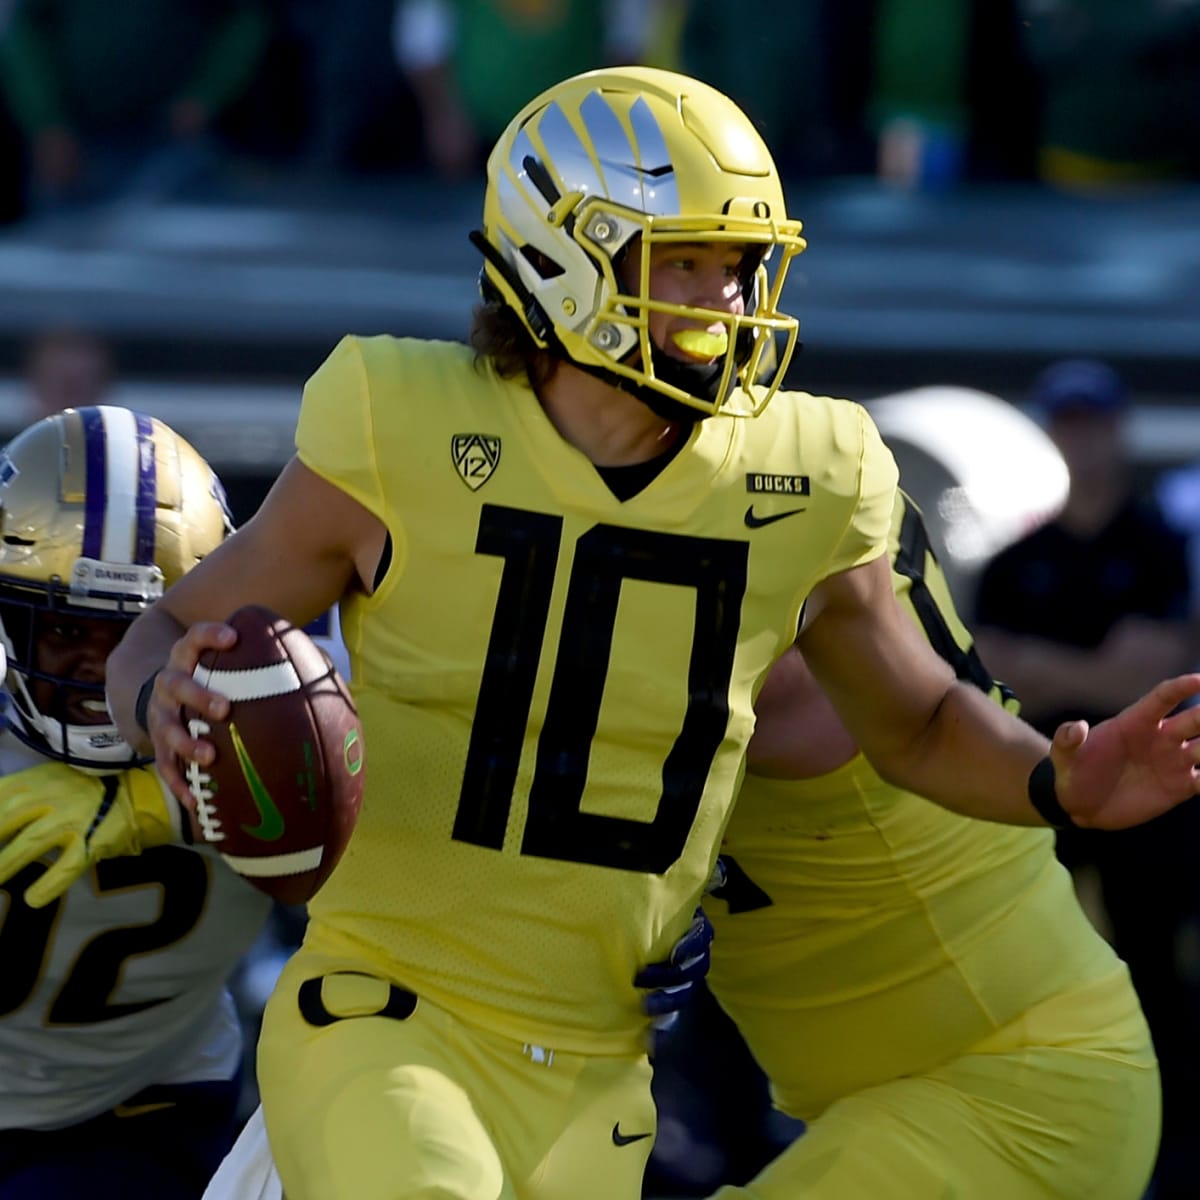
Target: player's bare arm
919 727
307 545
928 733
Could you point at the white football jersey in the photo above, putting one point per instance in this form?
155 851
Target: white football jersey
120 983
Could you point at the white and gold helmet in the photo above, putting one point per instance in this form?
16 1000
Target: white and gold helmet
101 508
614 155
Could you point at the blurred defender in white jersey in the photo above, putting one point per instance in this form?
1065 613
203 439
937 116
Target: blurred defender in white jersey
120 1050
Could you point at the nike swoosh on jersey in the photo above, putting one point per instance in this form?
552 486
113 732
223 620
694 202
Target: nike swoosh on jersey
139 1110
270 825
756 522
625 1139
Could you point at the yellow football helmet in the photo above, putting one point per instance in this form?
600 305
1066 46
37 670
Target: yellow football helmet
100 509
614 155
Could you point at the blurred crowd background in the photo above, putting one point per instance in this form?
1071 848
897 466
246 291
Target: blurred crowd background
199 197
927 92
212 191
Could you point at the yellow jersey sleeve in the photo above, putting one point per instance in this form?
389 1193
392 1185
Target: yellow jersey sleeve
921 588
866 534
334 436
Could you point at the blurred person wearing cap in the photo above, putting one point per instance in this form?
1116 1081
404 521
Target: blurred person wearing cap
1076 617
1096 601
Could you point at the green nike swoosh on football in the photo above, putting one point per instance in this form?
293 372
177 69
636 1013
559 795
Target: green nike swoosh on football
270 825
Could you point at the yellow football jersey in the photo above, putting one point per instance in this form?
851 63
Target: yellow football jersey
556 687
868 934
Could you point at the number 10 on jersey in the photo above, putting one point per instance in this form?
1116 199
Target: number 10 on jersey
605 556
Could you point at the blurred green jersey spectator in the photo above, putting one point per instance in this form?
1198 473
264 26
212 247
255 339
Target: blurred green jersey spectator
81 76
1120 81
473 64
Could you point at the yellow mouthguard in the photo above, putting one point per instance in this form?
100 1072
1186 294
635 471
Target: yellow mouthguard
701 343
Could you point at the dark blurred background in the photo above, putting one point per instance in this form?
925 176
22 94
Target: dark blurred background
218 189
199 197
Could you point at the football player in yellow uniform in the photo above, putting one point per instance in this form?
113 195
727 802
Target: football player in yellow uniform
924 989
565 564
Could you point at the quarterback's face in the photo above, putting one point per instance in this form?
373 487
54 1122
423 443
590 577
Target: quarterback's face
75 648
692 275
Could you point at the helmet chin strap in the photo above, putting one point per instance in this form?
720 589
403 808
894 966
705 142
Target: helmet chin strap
697 379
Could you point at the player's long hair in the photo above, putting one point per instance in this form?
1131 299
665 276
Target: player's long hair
498 335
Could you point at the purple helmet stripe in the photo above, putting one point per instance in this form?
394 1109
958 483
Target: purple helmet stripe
147 492
96 483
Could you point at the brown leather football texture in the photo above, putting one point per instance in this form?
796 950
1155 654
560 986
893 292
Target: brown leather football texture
280 799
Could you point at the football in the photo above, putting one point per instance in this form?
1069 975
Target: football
280 799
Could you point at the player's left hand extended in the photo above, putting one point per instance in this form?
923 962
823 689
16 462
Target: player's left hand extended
1133 766
669 985
85 818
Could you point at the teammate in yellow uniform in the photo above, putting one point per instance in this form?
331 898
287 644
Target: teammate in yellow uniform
923 988
564 570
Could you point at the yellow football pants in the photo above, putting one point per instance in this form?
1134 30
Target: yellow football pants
1062 1104
370 1093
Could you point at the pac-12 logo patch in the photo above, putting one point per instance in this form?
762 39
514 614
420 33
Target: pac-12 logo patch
476 456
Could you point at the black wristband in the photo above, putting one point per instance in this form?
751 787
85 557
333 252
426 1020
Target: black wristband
142 703
1044 797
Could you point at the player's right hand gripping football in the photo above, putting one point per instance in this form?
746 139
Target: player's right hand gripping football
85 818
